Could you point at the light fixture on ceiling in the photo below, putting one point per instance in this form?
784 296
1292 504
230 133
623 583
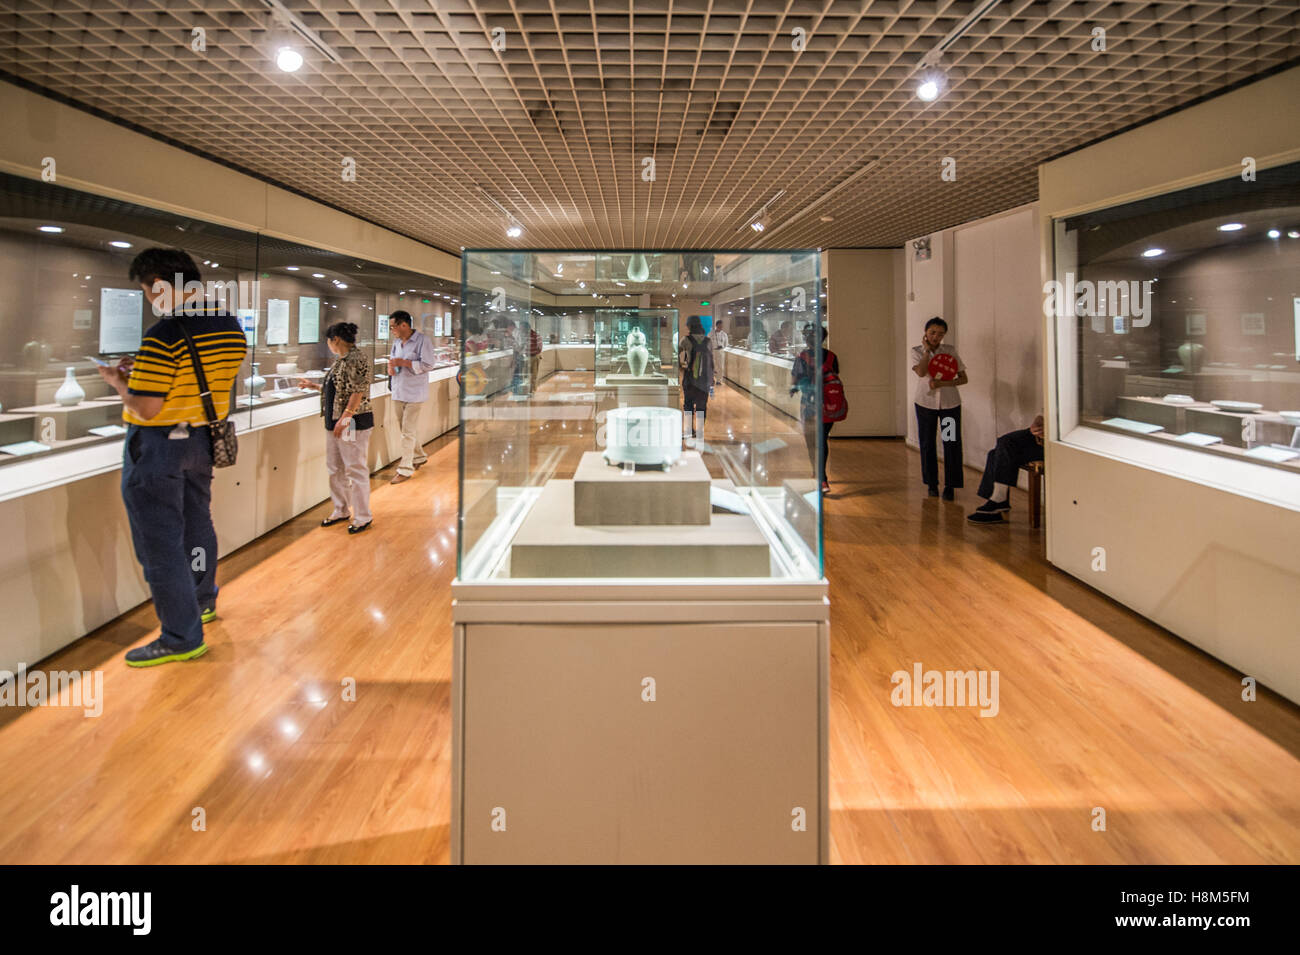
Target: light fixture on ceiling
1231 227
288 59
291 268
583 285
933 79
1152 253
321 275
928 89
1274 234
51 228
759 220
1293 234
514 230
216 265
286 29
120 244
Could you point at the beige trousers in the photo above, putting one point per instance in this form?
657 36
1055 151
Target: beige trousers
349 475
408 420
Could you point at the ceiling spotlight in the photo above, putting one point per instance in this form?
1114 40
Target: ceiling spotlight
342 286
758 225
291 268
1274 234
320 275
51 228
288 59
216 265
515 230
1293 234
1231 227
928 91
120 244
582 285
1152 253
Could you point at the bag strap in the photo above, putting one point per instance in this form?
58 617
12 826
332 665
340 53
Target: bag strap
208 407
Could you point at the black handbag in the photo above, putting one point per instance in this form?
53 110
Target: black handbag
225 446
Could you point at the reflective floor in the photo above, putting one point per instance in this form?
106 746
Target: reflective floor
317 728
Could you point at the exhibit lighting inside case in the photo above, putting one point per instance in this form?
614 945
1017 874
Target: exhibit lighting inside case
598 439
68 302
1173 330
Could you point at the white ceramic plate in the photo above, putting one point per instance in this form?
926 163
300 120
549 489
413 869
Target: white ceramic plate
1276 455
312 374
1291 417
1180 399
1137 427
1237 405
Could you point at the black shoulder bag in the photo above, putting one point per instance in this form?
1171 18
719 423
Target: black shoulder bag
225 446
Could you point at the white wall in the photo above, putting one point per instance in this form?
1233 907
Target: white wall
1188 542
983 280
863 298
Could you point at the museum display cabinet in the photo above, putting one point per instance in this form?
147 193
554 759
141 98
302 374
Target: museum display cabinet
766 329
1182 319
633 589
64 258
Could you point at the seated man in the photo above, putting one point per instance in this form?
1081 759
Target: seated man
1014 450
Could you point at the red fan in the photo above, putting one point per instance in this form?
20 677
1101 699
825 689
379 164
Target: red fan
943 366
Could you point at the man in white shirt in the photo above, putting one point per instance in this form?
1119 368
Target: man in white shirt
721 340
409 362
938 406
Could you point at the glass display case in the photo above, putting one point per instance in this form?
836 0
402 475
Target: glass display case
64 259
1178 319
587 474
635 346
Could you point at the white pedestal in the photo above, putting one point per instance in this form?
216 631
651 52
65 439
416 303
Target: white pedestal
640 722
606 494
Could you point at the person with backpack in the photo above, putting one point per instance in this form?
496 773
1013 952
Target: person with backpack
835 406
695 357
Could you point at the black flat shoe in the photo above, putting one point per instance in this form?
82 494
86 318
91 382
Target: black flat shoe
358 528
331 521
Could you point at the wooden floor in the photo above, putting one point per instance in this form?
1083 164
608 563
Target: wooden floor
1098 708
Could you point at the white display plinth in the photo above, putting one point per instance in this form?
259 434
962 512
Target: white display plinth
549 544
607 494
640 722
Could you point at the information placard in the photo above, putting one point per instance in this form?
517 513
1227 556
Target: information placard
381 329
248 322
277 321
121 320
308 320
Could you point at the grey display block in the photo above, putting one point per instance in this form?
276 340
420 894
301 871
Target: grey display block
603 494
63 422
550 544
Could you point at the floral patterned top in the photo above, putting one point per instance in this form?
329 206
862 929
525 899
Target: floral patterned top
349 374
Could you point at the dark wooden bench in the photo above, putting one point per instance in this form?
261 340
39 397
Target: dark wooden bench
1035 472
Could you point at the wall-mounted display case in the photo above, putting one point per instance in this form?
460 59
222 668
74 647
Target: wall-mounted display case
1178 319
64 258
585 474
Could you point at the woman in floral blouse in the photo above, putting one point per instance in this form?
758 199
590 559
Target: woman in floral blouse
345 405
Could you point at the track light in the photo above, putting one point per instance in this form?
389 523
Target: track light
928 90
758 225
514 230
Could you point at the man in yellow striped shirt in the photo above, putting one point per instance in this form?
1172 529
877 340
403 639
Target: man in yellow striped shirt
167 454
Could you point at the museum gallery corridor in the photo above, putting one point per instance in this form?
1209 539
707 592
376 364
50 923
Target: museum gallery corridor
1098 707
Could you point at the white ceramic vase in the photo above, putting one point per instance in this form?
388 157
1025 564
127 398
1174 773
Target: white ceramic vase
70 393
637 356
255 382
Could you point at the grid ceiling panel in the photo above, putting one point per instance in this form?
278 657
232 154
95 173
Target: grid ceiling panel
557 124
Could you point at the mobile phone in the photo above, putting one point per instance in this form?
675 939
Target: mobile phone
100 362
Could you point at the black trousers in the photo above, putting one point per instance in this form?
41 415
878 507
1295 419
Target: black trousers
1014 450
811 434
947 421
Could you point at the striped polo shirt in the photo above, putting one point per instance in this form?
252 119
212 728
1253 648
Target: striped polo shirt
164 369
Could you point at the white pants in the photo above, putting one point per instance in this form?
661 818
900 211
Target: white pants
349 475
408 420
